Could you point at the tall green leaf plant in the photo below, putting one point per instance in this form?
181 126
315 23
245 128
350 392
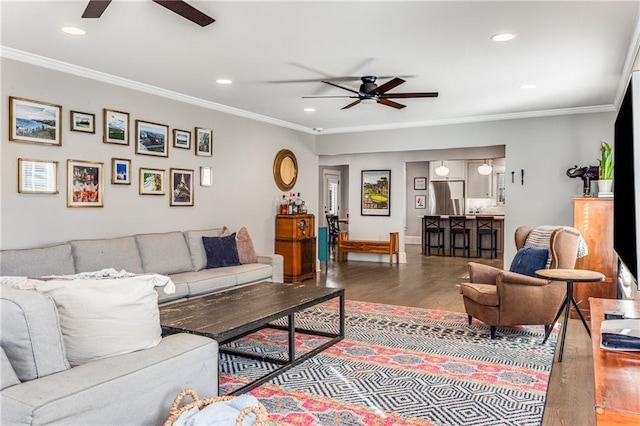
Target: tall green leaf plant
606 161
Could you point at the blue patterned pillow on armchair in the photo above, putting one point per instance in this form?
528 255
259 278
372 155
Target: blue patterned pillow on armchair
528 260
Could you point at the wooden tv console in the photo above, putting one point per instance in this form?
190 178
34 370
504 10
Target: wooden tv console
616 374
345 245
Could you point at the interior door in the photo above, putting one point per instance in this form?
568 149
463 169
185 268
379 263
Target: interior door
331 193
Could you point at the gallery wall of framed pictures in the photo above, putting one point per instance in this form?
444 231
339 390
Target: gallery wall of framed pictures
43 123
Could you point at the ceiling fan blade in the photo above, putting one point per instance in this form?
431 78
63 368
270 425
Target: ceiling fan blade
95 8
341 87
351 104
392 104
410 95
388 85
314 97
186 11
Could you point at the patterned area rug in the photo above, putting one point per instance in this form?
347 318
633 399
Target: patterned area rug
400 366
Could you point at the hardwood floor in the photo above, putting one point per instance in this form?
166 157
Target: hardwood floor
430 282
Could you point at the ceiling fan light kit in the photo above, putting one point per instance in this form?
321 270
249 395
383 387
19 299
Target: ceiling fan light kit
370 93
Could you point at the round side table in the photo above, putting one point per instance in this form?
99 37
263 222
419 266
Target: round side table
569 276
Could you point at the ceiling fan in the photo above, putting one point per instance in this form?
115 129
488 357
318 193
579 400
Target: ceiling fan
370 92
96 8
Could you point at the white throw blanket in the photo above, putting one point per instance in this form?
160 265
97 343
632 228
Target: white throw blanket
540 237
29 283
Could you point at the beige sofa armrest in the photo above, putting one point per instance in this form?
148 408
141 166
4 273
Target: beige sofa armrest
277 263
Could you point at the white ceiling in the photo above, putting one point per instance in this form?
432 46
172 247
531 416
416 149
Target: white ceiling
577 53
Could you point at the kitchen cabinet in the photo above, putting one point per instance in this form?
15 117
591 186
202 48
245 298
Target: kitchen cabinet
456 170
478 186
296 242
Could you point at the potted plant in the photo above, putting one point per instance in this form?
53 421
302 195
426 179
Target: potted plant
605 169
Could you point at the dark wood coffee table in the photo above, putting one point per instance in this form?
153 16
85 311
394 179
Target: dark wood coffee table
230 315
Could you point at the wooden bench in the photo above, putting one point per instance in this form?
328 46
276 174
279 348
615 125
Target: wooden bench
345 245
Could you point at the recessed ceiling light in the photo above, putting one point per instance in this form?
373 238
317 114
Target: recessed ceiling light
528 86
503 37
73 31
223 81
309 110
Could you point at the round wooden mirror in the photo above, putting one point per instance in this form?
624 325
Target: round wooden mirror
285 170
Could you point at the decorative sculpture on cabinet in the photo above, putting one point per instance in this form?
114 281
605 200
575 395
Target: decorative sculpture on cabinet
587 174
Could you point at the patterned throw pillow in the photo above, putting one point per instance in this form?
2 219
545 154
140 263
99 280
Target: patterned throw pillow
528 260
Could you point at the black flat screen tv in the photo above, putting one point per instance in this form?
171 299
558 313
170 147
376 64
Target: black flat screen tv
624 190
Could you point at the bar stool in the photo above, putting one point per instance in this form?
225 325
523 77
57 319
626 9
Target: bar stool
431 225
458 226
484 226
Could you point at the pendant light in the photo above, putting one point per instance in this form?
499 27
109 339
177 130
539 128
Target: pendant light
485 169
442 170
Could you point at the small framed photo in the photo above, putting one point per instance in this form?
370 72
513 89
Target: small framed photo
421 201
85 183
206 176
152 139
83 122
420 183
37 176
151 181
181 187
204 142
181 139
120 171
34 121
116 127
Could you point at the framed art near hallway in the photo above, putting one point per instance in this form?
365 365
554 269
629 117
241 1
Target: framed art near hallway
376 193
181 187
85 183
116 127
120 171
83 122
151 181
204 142
181 139
152 139
421 201
34 121
420 183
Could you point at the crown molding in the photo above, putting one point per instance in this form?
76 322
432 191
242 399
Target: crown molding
43 61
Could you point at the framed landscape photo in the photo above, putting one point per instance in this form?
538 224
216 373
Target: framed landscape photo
181 187
85 183
151 181
34 121
37 176
204 142
420 183
421 201
120 171
181 139
116 127
83 122
152 139
376 193
206 176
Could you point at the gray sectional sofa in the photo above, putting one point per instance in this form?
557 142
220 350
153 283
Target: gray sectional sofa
38 384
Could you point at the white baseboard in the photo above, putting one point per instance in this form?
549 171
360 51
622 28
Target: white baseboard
408 239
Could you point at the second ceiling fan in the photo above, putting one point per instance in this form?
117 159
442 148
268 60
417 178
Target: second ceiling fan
370 92
95 9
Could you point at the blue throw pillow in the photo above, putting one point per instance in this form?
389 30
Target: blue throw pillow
221 251
528 260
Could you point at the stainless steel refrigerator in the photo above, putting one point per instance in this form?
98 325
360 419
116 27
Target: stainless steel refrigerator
446 197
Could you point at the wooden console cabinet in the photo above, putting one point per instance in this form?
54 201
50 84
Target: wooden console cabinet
593 217
616 374
296 242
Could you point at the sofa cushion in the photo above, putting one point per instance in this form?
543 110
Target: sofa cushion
116 253
528 260
52 260
196 247
8 377
206 280
164 253
251 272
221 251
107 317
30 334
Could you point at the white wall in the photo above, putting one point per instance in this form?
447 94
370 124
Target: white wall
243 191
543 147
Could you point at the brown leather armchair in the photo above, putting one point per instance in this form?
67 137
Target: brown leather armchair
502 298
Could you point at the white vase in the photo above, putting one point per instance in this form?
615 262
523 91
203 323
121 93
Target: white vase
604 185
